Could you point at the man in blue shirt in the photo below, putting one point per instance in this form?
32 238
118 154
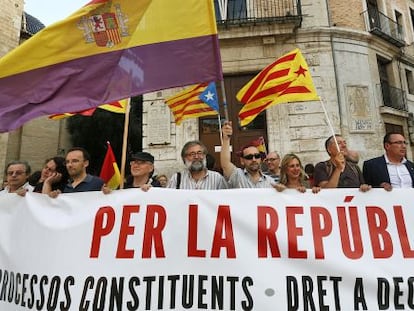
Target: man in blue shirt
77 160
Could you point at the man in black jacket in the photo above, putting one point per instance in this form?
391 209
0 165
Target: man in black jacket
391 170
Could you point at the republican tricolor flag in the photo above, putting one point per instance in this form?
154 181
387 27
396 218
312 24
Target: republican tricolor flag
106 51
286 80
110 173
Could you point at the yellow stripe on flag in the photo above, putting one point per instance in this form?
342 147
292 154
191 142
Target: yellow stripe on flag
141 23
288 79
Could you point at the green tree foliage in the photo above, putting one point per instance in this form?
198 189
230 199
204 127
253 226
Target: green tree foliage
93 132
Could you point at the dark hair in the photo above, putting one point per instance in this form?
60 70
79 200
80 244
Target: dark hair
25 163
60 167
387 137
309 168
328 141
34 178
211 161
241 151
85 153
190 144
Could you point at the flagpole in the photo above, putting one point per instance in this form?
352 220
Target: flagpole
329 124
223 93
226 112
125 142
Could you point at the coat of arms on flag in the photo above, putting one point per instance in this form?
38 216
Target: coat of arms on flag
105 28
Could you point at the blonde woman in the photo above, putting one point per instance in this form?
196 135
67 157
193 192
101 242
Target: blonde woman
292 175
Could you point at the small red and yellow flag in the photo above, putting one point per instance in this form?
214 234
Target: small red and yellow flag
110 173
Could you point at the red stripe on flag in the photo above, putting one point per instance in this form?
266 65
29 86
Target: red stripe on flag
296 90
263 74
194 111
185 107
272 90
185 99
254 111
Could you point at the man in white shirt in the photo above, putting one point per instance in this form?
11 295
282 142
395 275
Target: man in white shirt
392 170
17 173
196 175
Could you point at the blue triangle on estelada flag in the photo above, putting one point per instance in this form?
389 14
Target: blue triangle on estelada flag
209 96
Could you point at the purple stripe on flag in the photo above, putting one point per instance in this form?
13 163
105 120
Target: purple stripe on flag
90 81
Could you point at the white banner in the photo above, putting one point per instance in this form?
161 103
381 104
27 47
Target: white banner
241 249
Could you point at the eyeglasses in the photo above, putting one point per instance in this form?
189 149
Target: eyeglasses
271 159
138 162
18 173
74 161
193 154
400 142
251 156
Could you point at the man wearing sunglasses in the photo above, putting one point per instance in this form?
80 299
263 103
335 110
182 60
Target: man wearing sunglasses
250 176
391 170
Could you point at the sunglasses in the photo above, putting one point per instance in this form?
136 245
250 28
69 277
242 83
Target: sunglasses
251 156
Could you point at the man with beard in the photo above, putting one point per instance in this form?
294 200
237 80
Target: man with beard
196 175
250 176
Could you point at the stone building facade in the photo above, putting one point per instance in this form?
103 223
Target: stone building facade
41 138
361 57
11 17
360 54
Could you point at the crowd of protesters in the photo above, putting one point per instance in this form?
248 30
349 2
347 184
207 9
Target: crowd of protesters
341 170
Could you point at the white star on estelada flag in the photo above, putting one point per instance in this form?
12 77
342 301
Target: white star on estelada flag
209 96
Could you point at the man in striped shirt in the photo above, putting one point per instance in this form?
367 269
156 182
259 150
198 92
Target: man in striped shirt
196 175
251 175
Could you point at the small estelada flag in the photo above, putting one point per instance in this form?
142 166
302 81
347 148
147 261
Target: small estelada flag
196 101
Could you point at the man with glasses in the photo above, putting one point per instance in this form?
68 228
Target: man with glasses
272 162
17 173
142 169
250 176
391 170
196 175
76 161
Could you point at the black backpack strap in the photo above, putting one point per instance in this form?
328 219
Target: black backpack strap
178 180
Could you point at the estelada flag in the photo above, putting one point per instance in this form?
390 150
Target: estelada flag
198 100
116 107
286 80
106 51
110 173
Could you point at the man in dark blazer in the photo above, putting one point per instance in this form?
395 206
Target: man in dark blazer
392 170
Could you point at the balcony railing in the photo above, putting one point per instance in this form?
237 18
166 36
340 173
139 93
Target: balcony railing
393 97
241 12
384 27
